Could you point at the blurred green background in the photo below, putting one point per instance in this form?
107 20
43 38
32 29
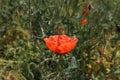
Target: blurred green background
25 23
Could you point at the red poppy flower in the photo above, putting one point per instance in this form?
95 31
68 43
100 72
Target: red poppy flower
61 44
83 21
85 12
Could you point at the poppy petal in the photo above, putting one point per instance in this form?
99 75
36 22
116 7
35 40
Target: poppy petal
51 44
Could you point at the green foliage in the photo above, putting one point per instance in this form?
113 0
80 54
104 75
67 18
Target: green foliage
25 23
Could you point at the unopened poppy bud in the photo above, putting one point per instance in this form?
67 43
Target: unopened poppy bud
88 6
60 29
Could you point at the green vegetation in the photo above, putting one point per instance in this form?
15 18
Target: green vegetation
25 23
